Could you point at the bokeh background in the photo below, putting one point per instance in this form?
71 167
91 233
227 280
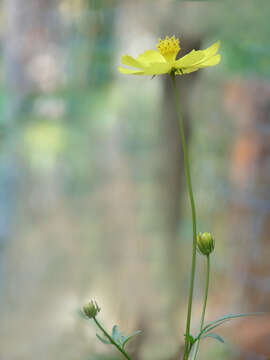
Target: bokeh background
93 200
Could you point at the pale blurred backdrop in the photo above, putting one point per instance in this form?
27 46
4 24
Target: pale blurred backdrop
93 200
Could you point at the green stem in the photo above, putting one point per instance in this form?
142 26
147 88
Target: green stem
111 340
193 265
195 353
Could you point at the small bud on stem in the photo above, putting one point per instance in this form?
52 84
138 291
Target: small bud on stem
205 243
91 309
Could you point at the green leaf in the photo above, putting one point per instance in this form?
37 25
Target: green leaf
115 332
104 341
131 336
123 339
135 333
118 337
213 324
214 336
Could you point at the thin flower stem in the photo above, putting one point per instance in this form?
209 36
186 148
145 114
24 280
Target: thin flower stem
193 265
195 353
111 340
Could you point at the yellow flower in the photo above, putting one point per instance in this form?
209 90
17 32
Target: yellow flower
163 61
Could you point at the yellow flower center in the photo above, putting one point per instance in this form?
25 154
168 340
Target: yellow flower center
168 48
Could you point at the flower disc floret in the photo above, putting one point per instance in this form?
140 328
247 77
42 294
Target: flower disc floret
168 48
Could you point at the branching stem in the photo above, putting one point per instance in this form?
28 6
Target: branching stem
111 340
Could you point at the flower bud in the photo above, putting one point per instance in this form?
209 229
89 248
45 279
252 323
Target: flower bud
205 243
91 309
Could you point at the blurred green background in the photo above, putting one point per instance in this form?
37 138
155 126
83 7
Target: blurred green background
93 200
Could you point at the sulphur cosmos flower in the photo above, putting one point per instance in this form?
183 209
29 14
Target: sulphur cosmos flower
163 60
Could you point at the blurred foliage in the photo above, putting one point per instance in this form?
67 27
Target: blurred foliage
244 33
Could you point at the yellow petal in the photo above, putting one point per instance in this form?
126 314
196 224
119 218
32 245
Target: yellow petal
212 50
157 68
130 71
130 61
212 61
189 60
150 56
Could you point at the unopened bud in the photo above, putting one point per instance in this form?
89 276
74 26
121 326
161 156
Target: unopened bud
91 309
205 243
